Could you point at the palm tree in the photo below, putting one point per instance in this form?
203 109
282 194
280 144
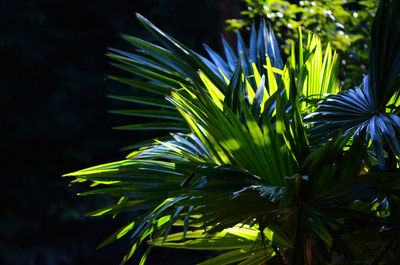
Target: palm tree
267 162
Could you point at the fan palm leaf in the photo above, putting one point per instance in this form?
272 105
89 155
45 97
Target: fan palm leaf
374 107
238 173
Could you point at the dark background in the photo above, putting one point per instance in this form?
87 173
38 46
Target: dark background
54 118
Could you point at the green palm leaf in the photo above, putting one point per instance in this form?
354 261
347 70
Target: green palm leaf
246 176
367 108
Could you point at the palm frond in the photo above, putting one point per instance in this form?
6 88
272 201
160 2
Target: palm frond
241 172
373 107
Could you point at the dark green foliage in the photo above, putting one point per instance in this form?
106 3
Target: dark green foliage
345 24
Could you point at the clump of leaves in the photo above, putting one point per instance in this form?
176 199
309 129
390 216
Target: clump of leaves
345 24
262 163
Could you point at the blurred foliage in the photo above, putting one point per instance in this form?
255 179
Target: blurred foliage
344 23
